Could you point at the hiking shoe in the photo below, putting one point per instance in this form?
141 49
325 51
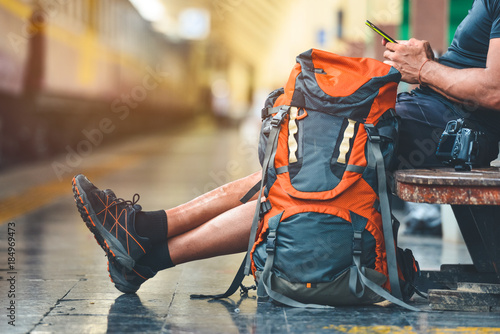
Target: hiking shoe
129 281
112 221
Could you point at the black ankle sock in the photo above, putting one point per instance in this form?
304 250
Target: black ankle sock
158 258
152 225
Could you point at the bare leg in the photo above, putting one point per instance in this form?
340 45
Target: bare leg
227 233
200 210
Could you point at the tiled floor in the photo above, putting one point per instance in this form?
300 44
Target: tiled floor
61 282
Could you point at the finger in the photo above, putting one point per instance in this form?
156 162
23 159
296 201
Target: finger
403 42
387 54
392 46
414 41
384 41
389 62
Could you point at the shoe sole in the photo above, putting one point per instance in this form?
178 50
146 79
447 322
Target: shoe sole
113 248
121 284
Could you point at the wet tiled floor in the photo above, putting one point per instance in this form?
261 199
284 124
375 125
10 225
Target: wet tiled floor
61 282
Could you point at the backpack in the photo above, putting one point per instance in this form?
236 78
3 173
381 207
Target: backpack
324 235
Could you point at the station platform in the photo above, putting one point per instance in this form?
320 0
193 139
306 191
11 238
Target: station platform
55 275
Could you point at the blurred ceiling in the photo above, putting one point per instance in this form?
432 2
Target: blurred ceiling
241 27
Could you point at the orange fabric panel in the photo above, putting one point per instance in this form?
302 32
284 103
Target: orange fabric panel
281 158
284 180
359 199
290 84
275 196
358 157
281 101
348 179
345 75
385 100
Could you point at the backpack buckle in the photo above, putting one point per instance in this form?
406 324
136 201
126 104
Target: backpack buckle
280 116
357 244
372 132
265 207
271 242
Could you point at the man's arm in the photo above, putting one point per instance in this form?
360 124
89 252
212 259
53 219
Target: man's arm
476 86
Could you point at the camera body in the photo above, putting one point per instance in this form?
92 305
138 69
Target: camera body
461 146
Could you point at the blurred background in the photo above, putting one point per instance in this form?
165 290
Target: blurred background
90 71
163 98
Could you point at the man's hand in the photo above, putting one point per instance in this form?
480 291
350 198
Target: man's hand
476 87
408 57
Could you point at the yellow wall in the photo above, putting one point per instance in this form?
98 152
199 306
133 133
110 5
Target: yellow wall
264 51
302 21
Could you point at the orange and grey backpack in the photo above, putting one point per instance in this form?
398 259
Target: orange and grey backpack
323 234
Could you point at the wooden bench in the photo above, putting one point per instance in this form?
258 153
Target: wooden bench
475 200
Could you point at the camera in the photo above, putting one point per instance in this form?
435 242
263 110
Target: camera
462 146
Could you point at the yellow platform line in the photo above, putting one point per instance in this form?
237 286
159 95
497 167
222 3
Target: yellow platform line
408 329
37 196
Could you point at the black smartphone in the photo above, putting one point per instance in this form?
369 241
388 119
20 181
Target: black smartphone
380 32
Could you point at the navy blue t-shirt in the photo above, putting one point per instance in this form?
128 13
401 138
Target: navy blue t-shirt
469 47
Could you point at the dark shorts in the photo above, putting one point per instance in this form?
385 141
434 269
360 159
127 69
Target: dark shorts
424 116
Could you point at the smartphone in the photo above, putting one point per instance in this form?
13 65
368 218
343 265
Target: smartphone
380 32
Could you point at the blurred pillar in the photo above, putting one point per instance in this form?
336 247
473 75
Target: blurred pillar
35 62
429 21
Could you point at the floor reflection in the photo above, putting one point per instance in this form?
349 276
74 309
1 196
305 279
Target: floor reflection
128 314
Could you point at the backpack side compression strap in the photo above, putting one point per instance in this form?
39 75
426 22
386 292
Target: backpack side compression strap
245 265
270 148
374 138
390 247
